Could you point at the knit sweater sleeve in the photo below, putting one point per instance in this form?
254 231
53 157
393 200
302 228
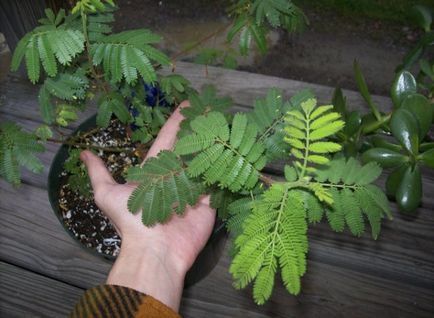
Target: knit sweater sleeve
113 301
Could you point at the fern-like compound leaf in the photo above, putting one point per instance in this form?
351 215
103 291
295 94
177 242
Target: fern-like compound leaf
306 127
110 104
46 45
268 115
164 188
274 234
202 104
231 157
128 54
18 148
353 195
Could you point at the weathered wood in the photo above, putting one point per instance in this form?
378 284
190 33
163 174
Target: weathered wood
328 291
35 240
26 294
245 87
347 276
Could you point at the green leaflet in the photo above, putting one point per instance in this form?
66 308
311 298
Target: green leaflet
353 195
108 105
17 148
274 235
68 87
128 54
230 157
202 104
254 20
47 45
306 127
268 115
164 188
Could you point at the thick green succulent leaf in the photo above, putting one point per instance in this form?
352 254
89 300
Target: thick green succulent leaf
409 192
381 142
405 129
421 108
385 157
403 85
353 123
393 180
423 16
427 158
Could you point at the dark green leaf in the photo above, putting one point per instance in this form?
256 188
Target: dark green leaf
404 128
384 157
427 158
394 180
422 16
403 85
339 102
422 110
380 142
363 88
409 192
353 123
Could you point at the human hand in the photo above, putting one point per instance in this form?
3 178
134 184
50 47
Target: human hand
153 260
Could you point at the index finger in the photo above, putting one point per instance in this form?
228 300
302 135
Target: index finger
167 136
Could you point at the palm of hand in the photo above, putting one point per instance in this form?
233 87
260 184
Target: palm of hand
182 237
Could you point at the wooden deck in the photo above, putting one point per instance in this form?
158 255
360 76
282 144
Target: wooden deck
43 271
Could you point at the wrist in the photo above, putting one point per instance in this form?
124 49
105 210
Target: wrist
151 270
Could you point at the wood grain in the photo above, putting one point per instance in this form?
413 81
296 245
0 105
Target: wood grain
347 276
26 294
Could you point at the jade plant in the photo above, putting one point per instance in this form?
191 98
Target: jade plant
401 139
227 155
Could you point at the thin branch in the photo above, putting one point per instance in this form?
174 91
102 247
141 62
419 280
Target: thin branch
83 145
266 179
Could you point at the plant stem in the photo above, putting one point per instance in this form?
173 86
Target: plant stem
83 145
306 152
200 42
266 179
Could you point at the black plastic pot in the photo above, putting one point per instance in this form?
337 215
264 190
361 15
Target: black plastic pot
206 260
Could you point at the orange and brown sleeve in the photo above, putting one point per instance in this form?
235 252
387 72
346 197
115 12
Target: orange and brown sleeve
110 301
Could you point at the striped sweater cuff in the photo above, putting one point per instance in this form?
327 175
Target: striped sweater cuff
111 301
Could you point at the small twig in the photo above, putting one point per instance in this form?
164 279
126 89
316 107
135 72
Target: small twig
201 41
83 145
267 180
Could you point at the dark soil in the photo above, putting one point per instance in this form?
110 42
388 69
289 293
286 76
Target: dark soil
80 215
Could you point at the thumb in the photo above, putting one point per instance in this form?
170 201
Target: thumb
167 136
98 173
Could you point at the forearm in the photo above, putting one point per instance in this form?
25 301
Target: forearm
150 271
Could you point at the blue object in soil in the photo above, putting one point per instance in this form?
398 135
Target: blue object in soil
154 96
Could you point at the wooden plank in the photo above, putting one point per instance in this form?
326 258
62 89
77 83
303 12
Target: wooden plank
26 294
345 269
327 291
244 87
18 95
32 238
